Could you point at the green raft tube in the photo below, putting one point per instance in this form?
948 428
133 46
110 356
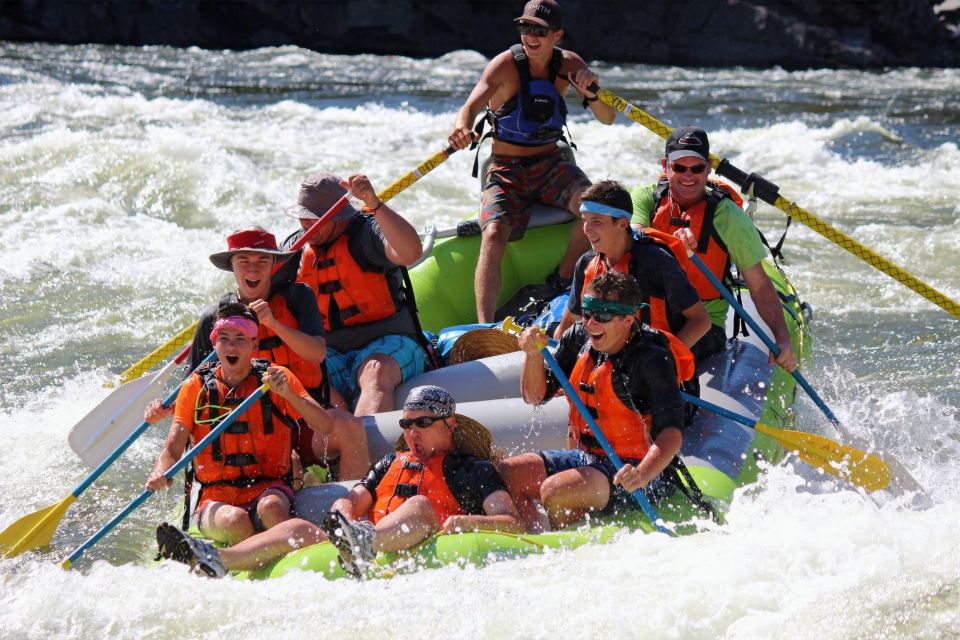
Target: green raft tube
721 455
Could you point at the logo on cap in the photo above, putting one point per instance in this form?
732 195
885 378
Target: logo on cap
690 139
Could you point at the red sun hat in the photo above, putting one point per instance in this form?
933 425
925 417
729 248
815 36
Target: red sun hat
253 240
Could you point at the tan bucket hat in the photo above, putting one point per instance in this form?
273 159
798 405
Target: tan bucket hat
482 343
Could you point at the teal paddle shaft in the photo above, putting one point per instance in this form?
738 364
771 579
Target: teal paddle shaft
168 474
767 340
130 439
598 434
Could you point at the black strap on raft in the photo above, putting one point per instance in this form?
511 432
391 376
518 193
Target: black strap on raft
688 487
410 302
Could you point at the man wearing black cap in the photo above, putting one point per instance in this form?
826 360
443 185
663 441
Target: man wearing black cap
354 265
704 214
522 90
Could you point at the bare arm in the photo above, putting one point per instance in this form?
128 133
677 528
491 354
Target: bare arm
312 348
767 301
581 77
696 326
402 244
567 320
501 515
315 415
663 450
355 504
176 442
490 81
533 379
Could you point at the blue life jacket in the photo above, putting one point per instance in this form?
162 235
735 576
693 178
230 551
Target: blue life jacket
537 114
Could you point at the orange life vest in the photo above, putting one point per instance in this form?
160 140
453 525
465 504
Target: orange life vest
341 285
272 349
656 315
407 478
253 452
699 219
627 430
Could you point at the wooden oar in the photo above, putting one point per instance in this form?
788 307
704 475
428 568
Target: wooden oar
169 473
899 479
855 466
35 530
769 193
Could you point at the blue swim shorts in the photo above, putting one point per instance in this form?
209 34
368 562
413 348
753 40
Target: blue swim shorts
342 367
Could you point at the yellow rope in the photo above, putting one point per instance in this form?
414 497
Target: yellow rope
182 338
800 214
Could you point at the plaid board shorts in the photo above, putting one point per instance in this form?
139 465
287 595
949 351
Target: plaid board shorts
512 183
342 367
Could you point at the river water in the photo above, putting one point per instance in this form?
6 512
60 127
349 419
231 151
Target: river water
123 168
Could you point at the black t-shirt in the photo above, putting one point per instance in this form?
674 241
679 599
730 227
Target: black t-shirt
471 479
656 271
301 303
644 374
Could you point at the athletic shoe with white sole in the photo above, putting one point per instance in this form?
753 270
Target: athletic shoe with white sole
353 540
176 545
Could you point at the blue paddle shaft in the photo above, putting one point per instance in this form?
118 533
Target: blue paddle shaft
767 340
130 439
169 473
598 434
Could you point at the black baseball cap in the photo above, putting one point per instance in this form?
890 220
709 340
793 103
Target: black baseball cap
546 13
688 142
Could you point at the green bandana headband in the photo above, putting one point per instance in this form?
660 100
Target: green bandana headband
598 305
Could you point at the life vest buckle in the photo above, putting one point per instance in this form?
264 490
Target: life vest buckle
405 490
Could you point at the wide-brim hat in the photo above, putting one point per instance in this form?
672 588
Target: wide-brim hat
469 436
317 194
482 343
253 240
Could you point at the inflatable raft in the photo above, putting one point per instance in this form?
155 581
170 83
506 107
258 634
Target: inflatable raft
721 455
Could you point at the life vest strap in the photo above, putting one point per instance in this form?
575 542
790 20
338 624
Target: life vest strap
238 426
239 459
330 287
404 490
326 262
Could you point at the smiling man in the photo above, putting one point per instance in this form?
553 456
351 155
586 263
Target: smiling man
669 302
701 213
290 334
439 479
522 91
626 376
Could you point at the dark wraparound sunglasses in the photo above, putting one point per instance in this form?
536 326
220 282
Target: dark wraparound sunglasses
602 317
533 30
421 423
696 169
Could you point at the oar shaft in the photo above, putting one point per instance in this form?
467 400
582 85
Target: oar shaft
422 169
768 192
169 473
130 439
598 434
767 340
160 354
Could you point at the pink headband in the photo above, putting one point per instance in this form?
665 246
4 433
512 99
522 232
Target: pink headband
243 325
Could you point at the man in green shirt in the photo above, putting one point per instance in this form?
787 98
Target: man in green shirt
702 214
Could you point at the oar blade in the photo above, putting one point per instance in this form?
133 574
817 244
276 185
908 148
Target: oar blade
34 530
862 469
100 431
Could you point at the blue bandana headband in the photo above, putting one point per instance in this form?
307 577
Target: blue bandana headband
589 206
430 398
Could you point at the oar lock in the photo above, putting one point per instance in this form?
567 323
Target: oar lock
753 185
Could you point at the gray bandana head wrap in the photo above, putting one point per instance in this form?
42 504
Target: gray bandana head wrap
436 400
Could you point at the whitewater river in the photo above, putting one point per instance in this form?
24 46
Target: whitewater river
122 169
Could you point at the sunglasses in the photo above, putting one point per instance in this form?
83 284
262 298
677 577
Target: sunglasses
696 169
421 423
533 30
602 317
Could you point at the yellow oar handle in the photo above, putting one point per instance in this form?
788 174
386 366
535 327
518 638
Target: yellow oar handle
160 354
828 231
422 169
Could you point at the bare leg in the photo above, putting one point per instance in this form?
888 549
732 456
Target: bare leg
273 508
226 523
411 523
348 442
569 495
378 376
487 281
258 550
523 475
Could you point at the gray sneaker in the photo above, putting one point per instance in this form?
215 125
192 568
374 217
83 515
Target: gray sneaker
176 545
353 540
